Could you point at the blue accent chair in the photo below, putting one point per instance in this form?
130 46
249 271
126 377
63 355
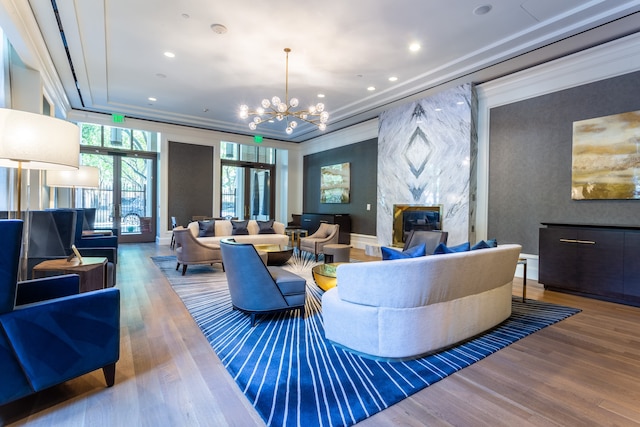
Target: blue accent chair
50 236
258 289
50 333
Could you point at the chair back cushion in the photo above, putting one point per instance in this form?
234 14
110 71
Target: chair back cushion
11 232
431 239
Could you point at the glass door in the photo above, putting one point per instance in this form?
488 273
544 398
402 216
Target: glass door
247 192
126 196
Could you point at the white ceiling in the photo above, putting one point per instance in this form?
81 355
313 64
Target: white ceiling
339 48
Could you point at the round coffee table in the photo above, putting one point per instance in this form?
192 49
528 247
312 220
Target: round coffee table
276 254
325 275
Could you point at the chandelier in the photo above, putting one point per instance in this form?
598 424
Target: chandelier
279 110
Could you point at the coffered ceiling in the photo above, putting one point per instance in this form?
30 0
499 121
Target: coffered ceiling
114 59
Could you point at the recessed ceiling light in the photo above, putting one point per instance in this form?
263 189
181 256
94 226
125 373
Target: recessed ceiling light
460 102
414 47
152 99
170 54
393 79
218 28
482 10
438 109
321 95
371 88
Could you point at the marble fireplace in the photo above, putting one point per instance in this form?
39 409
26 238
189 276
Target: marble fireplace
427 153
407 218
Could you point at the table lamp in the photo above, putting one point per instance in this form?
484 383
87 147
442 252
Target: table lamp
36 141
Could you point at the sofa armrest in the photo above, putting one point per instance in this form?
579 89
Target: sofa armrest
78 334
47 288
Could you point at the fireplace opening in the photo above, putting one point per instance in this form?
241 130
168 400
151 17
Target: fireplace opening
414 217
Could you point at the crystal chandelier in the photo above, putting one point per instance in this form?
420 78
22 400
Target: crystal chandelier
279 110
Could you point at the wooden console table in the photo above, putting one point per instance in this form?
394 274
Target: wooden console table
92 271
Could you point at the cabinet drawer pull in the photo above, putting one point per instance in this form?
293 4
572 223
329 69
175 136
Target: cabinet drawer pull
584 242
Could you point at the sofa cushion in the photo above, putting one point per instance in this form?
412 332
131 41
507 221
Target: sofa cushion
239 228
266 227
444 249
206 228
412 252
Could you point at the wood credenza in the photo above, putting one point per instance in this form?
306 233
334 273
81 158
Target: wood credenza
591 260
312 221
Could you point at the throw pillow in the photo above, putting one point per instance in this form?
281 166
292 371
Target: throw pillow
266 227
480 245
444 249
412 252
484 244
207 228
239 228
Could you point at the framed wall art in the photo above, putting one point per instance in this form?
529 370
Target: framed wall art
606 158
335 183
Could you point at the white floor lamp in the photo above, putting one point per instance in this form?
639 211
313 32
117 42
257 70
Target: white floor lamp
35 141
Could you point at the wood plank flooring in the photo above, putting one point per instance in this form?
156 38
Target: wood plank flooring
580 372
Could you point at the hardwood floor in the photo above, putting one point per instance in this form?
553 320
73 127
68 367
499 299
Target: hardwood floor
582 371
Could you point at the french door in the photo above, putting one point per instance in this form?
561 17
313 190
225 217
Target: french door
126 196
247 191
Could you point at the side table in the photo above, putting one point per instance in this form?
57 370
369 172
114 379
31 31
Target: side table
523 262
92 271
295 234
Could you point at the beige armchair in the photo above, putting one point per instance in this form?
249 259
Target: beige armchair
326 234
190 251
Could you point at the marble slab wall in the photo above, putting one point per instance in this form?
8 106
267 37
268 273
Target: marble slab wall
427 156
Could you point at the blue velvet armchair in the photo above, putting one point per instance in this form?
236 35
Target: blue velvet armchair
51 234
258 289
49 333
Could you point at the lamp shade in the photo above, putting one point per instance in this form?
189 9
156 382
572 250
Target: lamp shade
84 177
38 141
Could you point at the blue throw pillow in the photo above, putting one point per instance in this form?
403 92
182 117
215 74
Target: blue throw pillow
266 227
206 228
444 249
413 252
482 244
239 228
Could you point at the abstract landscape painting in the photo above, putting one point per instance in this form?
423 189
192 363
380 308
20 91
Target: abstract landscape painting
606 157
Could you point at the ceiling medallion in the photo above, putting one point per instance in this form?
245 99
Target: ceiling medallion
279 110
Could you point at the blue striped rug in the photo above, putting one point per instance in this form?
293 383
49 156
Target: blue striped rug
293 376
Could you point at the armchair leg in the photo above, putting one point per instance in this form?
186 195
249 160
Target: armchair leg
184 269
109 374
177 266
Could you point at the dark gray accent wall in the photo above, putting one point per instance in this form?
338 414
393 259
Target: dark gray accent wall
190 181
363 157
530 161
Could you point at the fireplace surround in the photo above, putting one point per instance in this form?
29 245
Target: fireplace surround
414 217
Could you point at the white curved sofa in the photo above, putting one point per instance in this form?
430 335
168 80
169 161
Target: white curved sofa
224 230
410 307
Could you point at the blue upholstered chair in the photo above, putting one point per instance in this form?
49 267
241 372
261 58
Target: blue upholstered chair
51 234
92 241
49 333
256 288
